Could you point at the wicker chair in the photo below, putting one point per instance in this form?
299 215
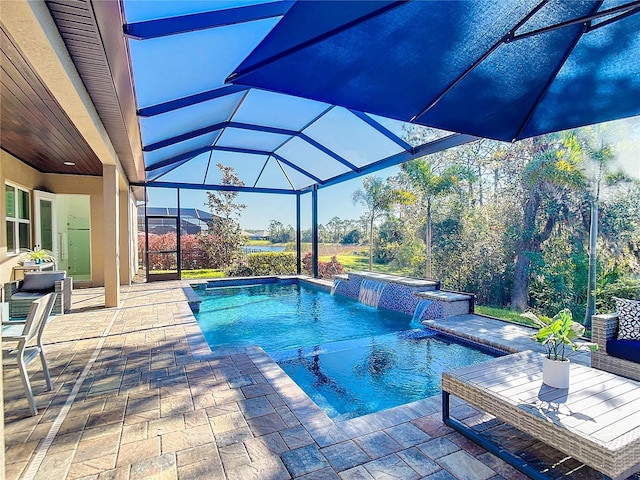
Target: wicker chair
20 294
604 327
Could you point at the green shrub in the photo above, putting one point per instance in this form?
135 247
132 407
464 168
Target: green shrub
623 288
239 270
272 263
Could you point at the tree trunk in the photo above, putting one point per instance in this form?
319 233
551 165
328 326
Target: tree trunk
427 241
530 242
591 289
480 187
520 289
371 245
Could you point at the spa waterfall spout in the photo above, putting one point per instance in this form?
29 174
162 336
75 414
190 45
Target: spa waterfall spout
421 308
371 292
336 284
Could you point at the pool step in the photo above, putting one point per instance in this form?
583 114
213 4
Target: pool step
443 304
193 298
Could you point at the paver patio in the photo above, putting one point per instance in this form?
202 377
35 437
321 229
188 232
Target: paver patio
138 394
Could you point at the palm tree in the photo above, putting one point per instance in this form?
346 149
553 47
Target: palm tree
378 197
599 158
429 185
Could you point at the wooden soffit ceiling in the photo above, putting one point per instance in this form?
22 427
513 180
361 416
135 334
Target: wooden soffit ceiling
35 129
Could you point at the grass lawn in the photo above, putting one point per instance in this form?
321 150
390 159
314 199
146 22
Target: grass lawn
503 314
257 243
352 261
204 273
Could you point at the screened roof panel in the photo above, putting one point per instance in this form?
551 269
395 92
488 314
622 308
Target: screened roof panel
351 138
277 110
311 160
138 10
188 119
192 171
404 130
181 54
395 126
182 148
298 179
272 176
176 66
252 140
246 166
158 173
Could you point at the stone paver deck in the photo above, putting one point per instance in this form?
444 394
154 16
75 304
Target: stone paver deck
138 395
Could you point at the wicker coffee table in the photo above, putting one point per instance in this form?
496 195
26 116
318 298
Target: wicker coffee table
596 420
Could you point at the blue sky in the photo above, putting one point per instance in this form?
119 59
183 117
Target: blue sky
333 201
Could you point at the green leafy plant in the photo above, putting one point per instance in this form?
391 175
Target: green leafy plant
558 333
40 255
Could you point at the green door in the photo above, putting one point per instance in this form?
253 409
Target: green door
46 224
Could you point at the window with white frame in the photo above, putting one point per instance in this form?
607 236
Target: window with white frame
18 217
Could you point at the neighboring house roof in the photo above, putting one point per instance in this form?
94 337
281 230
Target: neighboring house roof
256 234
173 212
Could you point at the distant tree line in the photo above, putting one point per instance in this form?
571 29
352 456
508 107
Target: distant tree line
511 222
335 231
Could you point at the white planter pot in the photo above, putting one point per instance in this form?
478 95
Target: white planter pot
555 373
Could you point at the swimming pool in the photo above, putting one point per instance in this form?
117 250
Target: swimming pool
352 378
284 316
350 359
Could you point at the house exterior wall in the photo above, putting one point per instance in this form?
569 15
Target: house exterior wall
14 171
35 34
91 186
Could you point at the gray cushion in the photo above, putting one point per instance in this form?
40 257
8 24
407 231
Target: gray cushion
20 295
41 281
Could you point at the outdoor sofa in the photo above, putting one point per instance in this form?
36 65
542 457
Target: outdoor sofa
20 294
618 336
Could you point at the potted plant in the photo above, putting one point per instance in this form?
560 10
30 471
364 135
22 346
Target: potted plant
38 256
557 335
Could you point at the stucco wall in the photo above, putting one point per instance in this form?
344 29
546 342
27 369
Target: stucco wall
91 186
14 171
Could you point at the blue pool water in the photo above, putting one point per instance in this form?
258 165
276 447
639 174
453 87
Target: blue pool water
281 317
355 377
349 358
